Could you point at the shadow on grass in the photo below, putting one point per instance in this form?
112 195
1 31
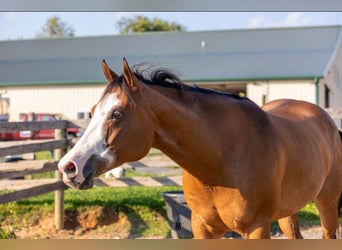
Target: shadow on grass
141 206
307 219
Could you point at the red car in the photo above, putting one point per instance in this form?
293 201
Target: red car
41 134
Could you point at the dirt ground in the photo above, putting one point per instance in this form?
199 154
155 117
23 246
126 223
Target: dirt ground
102 223
99 223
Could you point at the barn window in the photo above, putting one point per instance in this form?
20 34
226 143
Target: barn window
264 99
83 115
326 96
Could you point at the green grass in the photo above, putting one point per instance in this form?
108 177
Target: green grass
144 208
309 215
43 155
7 234
132 173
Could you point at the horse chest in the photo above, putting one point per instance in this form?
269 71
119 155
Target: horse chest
214 205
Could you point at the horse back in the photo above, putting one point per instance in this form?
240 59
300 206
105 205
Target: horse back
302 116
304 122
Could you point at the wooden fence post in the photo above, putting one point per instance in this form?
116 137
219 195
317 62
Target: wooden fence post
59 194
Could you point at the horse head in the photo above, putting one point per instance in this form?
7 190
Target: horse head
119 131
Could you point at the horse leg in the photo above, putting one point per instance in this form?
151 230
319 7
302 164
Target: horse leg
262 231
202 230
329 216
290 227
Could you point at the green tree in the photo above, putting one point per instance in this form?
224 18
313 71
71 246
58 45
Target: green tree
55 28
138 23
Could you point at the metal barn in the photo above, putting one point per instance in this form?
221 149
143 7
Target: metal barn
64 75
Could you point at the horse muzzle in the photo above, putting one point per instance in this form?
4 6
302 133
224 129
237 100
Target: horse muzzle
84 179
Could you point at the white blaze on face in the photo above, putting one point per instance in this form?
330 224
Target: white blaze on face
93 139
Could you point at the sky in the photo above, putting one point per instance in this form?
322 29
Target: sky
26 25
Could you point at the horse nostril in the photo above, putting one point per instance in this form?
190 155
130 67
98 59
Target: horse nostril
70 166
70 170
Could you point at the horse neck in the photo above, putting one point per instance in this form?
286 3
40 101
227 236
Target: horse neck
188 128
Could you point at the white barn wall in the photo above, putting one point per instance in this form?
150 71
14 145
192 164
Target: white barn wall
255 92
69 100
333 80
299 90
66 100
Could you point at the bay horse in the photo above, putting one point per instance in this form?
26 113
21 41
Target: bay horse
244 166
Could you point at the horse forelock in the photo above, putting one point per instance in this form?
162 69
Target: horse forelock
110 86
118 83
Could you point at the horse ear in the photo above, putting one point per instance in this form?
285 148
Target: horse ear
129 76
109 74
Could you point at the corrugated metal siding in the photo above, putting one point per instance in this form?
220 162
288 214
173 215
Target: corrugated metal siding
65 100
229 55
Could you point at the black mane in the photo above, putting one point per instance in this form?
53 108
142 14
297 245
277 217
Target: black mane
165 78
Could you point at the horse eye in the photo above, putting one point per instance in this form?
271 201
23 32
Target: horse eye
117 115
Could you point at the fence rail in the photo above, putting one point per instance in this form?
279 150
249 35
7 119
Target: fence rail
59 145
50 186
17 185
18 126
10 170
32 146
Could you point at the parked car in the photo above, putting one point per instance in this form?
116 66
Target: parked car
40 134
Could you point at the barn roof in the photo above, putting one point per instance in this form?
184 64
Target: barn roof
229 55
